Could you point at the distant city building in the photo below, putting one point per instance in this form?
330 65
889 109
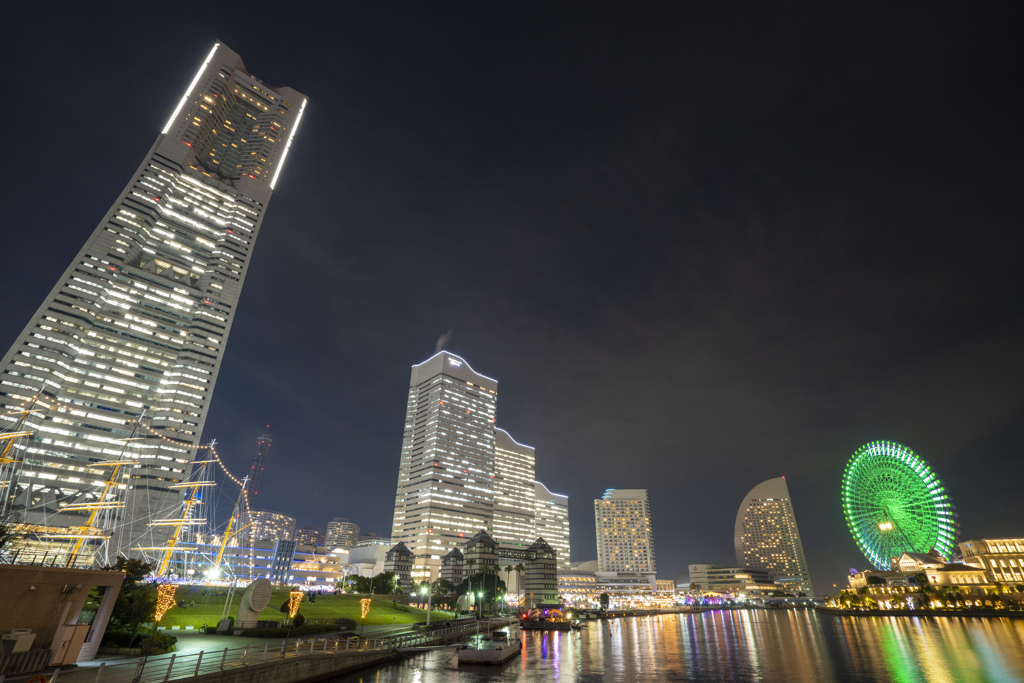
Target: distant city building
307 535
445 491
259 462
737 582
399 561
551 518
1002 559
341 533
582 588
667 586
373 540
121 358
625 541
767 538
272 526
513 492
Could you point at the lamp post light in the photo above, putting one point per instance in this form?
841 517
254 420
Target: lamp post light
480 603
430 597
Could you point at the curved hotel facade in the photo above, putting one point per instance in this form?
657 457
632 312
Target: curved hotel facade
767 538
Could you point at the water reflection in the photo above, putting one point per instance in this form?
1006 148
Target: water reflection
759 645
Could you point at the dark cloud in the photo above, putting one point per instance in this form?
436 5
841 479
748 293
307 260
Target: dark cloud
699 248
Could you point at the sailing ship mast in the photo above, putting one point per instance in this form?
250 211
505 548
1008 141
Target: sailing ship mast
193 498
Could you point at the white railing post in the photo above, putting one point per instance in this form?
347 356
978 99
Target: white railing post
138 669
99 672
223 659
325 646
170 666
56 673
265 651
312 644
199 660
244 655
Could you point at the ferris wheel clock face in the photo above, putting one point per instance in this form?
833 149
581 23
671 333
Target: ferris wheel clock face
894 502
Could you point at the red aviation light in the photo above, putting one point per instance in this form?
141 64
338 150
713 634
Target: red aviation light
187 143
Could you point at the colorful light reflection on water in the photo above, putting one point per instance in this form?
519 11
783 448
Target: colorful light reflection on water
759 645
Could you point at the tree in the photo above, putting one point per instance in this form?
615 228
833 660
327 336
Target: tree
508 574
605 599
519 576
693 587
136 602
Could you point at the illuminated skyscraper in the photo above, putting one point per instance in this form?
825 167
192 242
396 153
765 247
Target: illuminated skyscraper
136 326
767 538
625 541
259 462
551 516
445 490
272 526
341 533
513 492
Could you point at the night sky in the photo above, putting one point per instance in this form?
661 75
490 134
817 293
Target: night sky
698 249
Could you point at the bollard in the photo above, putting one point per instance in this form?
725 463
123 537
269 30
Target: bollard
223 658
99 672
312 644
199 660
170 666
265 652
347 640
283 643
325 646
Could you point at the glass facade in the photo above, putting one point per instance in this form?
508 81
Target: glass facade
767 538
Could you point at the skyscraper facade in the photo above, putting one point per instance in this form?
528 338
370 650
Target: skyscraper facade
272 526
259 462
514 500
445 491
767 538
135 328
307 535
341 533
551 515
625 540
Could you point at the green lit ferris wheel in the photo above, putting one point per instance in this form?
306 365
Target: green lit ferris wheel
894 503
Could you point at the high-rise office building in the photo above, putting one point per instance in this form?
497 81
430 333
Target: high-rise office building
271 526
445 491
307 535
551 517
625 541
136 326
514 500
767 538
259 462
341 533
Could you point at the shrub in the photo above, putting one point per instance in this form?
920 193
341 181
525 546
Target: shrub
299 620
162 644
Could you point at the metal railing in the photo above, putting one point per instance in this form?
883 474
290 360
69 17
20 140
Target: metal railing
177 667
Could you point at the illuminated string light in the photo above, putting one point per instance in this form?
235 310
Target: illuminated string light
164 598
294 601
185 444
364 606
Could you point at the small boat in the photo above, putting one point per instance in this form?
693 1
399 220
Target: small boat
498 649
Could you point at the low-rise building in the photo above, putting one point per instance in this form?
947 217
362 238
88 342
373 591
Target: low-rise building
1001 558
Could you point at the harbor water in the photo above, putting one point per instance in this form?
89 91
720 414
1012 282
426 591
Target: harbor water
754 645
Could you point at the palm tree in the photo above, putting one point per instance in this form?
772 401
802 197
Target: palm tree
508 580
519 568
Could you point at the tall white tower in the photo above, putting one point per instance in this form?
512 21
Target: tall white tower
446 476
136 326
514 499
767 538
625 542
552 520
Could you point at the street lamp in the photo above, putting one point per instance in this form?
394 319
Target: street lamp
430 596
480 603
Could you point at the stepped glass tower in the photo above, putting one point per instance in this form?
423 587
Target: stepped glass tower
135 328
445 492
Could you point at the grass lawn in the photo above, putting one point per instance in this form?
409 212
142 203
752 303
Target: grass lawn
208 608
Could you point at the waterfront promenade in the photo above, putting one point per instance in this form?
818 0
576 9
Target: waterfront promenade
232 659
